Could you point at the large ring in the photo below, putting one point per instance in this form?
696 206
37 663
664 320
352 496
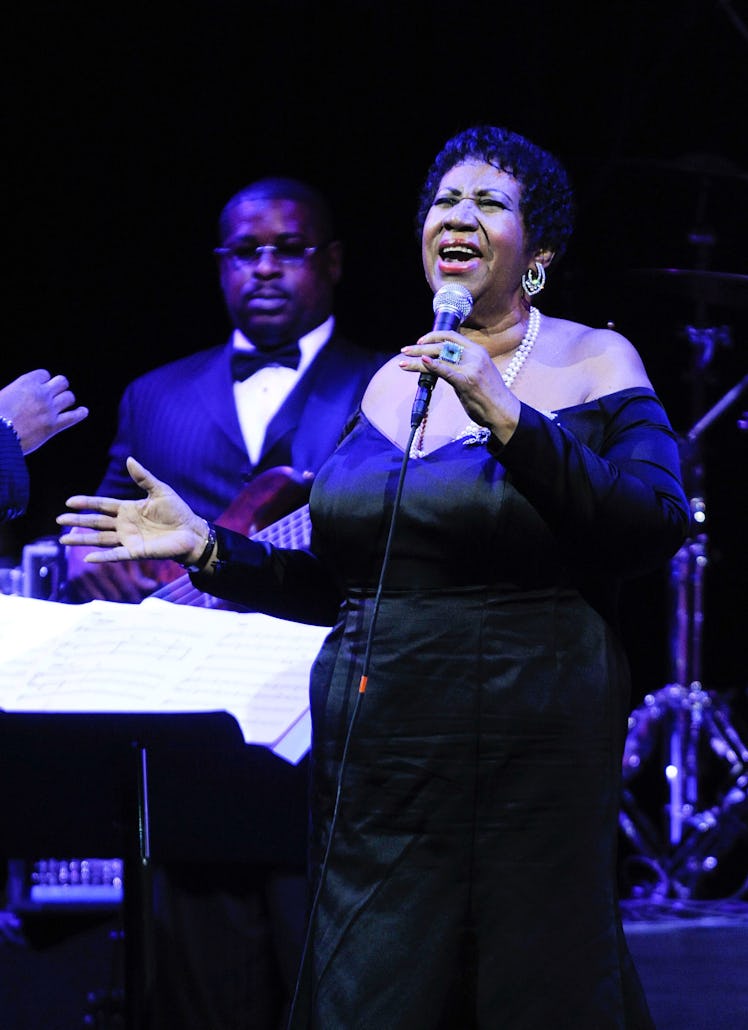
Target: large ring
451 352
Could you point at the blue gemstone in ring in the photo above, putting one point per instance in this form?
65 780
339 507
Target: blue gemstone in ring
451 352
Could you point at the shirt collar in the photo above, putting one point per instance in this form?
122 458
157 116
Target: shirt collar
310 344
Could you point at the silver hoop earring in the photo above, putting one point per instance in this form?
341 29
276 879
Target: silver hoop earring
532 284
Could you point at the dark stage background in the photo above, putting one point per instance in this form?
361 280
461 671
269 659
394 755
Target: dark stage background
128 126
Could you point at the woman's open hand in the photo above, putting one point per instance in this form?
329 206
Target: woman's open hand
161 525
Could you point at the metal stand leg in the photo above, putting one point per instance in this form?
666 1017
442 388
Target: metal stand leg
685 693
691 720
139 967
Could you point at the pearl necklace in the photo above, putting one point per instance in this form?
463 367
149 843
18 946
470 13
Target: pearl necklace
511 371
473 433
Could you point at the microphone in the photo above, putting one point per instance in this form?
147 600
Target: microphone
453 302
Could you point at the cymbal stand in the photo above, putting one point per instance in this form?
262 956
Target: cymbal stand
689 715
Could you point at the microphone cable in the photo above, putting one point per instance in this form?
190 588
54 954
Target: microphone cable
452 304
363 681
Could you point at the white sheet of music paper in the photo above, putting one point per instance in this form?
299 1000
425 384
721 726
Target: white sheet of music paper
156 656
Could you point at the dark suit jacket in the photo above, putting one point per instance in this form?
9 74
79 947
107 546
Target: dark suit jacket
180 421
14 476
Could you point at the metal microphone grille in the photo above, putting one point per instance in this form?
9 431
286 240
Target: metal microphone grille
454 297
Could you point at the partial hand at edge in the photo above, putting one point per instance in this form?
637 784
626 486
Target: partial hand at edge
40 407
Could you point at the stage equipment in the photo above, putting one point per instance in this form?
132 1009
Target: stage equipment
688 729
684 724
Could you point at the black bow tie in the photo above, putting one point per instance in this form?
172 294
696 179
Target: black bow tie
245 363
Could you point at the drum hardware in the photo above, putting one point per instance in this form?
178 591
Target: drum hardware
719 409
43 567
700 285
700 166
683 733
687 721
41 573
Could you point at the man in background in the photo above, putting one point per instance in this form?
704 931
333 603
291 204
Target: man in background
276 395
258 412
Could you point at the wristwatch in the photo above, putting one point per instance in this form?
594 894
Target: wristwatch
202 561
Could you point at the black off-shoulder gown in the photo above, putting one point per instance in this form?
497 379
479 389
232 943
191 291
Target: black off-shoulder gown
471 880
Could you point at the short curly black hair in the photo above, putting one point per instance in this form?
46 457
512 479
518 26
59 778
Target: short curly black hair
281 187
547 199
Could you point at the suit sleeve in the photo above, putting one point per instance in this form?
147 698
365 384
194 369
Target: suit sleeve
14 476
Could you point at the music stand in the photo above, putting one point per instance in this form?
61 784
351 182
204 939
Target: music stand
77 783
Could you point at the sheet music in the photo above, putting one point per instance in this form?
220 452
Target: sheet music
155 656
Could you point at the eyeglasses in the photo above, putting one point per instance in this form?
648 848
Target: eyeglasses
249 254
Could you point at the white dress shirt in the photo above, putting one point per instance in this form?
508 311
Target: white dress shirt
259 397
